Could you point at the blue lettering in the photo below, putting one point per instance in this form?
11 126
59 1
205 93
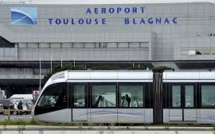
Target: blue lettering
103 10
111 10
58 21
134 10
175 20
158 20
88 21
50 21
72 22
166 21
103 21
126 20
81 21
118 10
96 21
88 11
134 21
65 21
142 21
142 9
150 21
127 10
96 10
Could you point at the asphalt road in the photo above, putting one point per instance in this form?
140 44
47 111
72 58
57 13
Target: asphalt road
27 117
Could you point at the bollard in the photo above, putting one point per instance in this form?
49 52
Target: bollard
8 114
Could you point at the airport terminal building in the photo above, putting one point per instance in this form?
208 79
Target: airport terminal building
180 35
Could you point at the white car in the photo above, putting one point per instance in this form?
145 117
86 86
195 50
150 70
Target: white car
26 106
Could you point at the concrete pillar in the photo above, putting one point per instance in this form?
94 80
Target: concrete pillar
16 52
158 97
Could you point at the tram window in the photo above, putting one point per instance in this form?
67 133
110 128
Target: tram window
131 96
189 96
176 96
54 96
79 96
208 96
103 96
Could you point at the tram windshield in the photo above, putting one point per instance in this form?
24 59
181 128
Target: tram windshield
54 96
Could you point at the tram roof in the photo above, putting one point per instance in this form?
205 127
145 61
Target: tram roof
131 76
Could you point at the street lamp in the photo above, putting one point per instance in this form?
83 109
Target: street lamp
40 76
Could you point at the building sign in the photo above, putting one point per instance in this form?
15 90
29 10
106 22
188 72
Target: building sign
104 20
23 15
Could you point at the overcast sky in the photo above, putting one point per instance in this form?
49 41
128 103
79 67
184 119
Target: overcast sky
101 1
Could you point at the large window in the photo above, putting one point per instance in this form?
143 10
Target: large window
131 96
208 95
79 96
189 96
176 96
103 96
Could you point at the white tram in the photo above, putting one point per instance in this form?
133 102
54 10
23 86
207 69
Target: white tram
126 97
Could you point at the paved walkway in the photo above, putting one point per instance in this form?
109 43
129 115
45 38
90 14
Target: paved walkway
104 130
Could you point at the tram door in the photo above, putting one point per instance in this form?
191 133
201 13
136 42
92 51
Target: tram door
183 103
79 110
